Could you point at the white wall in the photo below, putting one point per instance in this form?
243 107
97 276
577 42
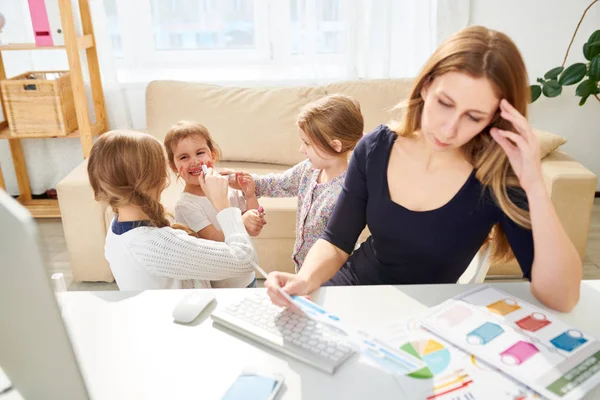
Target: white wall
542 29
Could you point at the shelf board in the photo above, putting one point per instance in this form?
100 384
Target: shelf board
97 129
42 208
83 42
5 134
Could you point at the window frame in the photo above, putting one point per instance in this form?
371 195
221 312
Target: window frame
272 39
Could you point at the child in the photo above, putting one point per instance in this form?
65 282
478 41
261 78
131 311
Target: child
128 170
189 145
329 129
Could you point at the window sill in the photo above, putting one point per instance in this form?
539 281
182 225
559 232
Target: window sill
271 75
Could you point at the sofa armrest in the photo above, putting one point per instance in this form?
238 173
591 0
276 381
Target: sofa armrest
83 224
571 187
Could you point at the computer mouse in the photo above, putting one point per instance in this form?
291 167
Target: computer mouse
191 305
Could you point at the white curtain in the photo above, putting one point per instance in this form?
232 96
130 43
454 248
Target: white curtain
451 15
49 160
393 37
383 38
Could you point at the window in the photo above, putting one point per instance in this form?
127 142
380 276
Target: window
190 33
203 25
318 26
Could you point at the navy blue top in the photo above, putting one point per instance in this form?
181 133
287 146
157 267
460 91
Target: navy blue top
414 247
119 228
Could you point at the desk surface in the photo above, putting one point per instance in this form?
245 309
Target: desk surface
130 348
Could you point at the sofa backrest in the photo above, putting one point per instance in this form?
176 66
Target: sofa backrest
259 124
377 97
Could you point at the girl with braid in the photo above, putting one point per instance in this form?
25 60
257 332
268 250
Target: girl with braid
128 170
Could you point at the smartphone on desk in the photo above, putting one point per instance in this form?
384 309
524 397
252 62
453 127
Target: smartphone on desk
253 384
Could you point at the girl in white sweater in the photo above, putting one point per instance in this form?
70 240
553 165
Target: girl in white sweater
128 170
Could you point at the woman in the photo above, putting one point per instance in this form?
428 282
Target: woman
462 167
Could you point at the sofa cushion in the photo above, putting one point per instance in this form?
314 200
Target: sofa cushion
377 97
548 142
249 124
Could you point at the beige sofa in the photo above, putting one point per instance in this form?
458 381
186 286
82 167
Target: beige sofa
256 131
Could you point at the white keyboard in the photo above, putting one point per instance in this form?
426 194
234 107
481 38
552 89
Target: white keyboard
284 330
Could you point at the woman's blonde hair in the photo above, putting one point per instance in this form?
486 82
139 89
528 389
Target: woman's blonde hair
130 168
184 129
480 53
333 117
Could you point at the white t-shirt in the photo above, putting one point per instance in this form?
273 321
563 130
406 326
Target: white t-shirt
197 212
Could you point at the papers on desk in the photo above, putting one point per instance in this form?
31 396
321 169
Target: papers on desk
482 344
521 340
423 365
4 381
7 392
392 360
450 373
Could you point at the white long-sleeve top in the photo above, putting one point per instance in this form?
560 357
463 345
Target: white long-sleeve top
165 258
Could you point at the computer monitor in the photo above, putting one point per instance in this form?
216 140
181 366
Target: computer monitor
35 350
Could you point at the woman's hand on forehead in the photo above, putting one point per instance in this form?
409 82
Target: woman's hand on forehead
521 147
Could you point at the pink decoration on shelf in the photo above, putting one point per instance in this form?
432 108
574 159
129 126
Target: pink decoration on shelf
40 22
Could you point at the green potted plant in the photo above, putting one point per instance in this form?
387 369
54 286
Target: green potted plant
586 74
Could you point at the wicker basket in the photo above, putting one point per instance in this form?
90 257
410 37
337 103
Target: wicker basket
39 104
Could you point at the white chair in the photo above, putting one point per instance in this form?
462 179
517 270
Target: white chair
479 267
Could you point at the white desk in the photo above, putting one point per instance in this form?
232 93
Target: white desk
130 348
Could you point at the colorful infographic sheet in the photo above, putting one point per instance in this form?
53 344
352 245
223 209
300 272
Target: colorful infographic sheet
525 342
450 373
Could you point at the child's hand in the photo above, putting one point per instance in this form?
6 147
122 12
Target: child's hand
254 222
233 183
247 184
216 188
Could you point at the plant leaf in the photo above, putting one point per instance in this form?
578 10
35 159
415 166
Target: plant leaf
594 37
586 51
551 89
593 49
573 74
536 92
554 73
582 101
587 88
594 72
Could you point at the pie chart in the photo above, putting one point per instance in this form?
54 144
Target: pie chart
432 353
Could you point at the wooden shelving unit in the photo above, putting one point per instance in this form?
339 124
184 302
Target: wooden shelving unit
86 132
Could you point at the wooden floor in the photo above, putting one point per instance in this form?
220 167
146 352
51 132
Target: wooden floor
58 260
